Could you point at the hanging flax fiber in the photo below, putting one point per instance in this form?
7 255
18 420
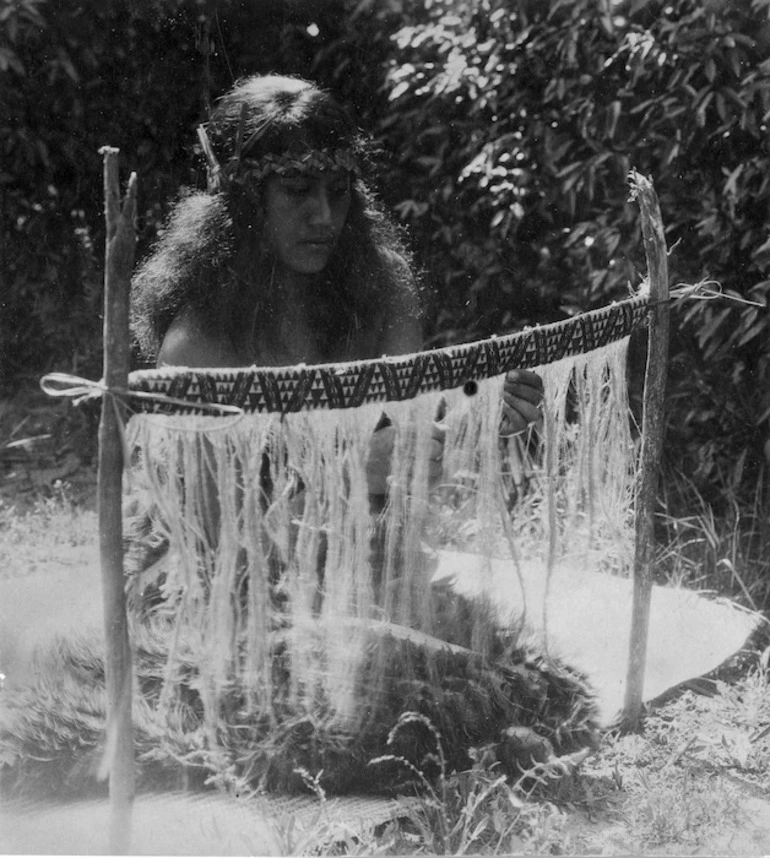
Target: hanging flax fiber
309 623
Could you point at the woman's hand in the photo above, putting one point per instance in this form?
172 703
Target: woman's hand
522 397
379 463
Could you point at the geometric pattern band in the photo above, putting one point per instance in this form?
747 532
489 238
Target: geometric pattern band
349 385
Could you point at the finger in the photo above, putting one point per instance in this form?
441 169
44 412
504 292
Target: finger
516 419
520 402
528 386
438 432
529 410
511 424
524 376
519 391
514 424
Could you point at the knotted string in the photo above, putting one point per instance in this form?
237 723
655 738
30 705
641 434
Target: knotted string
707 290
78 389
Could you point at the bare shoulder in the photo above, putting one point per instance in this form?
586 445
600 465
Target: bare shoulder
187 343
401 313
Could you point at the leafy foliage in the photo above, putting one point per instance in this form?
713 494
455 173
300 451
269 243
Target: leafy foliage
516 126
507 132
74 77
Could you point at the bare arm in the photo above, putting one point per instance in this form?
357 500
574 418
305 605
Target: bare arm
401 333
186 343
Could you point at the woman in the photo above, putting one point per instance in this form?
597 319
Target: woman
287 258
284 259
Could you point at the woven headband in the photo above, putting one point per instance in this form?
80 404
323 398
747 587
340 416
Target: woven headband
241 170
310 161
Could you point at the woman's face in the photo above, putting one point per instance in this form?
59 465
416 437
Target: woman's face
305 214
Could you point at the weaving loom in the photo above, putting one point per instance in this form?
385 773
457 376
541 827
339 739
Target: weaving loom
285 605
282 633
280 585
278 592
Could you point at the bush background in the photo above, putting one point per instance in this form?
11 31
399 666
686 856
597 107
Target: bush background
507 130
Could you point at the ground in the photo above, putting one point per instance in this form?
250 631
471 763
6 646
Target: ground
695 780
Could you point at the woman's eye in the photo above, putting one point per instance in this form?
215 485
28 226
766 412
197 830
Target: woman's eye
296 187
299 187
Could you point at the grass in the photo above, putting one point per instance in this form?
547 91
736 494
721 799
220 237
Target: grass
726 552
678 786
682 784
681 809
51 522
477 810
685 779
47 481
473 812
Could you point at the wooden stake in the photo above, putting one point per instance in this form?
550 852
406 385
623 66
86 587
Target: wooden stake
119 263
652 443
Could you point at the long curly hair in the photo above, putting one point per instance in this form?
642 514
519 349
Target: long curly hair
211 257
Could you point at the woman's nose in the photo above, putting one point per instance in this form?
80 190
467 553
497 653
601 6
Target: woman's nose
321 213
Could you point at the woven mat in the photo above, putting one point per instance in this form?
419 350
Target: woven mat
587 621
584 618
197 824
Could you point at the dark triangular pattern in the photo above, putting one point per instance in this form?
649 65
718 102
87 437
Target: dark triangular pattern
629 317
291 389
563 343
207 387
240 394
414 381
492 356
333 387
317 397
516 351
605 333
602 333
442 363
588 343
144 386
468 369
391 381
303 383
256 401
540 349
363 381
270 391
178 388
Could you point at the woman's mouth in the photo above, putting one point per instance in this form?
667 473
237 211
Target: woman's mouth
314 253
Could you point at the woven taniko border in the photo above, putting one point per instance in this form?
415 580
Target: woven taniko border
349 385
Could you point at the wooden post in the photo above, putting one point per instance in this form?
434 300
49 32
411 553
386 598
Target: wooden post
119 262
652 443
